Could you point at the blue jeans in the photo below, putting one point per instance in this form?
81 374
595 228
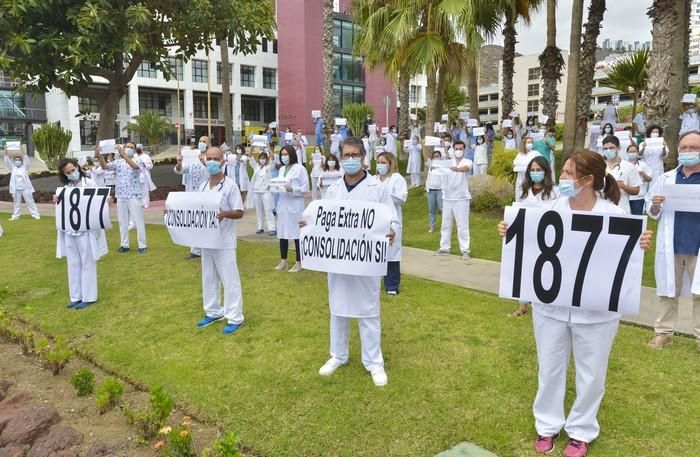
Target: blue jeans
319 139
392 280
434 203
637 207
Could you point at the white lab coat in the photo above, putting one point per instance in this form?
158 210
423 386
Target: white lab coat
390 139
626 172
358 296
243 180
291 204
414 157
97 174
689 122
664 263
146 167
335 143
398 189
193 176
17 173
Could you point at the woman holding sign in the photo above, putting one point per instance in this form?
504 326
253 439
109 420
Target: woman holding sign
398 189
291 206
81 248
561 330
20 185
654 149
414 150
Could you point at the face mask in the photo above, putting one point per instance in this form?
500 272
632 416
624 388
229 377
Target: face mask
437 158
654 135
73 176
331 163
129 152
610 154
351 166
632 156
537 176
382 168
567 188
202 146
608 130
480 141
263 161
18 163
691 110
689 159
459 153
510 137
414 141
285 160
528 146
213 167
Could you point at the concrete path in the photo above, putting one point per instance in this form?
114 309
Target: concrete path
477 274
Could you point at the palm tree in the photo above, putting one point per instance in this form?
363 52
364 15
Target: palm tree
551 65
629 75
572 77
150 125
327 39
585 70
226 90
455 100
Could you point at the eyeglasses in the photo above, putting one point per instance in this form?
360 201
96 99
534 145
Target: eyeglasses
351 156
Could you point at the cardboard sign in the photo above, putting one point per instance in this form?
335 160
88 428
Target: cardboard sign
339 121
259 141
272 125
316 113
478 131
472 123
81 209
507 123
385 130
289 136
689 98
278 184
107 146
190 157
444 117
191 219
432 141
464 115
13 145
682 198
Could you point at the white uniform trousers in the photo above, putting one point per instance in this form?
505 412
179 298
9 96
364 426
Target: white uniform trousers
28 199
263 210
591 345
480 168
415 179
146 200
131 209
459 209
82 268
315 191
219 268
370 339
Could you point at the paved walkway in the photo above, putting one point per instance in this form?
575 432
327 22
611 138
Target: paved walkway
478 274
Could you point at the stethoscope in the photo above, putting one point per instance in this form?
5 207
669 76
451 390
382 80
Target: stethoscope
219 186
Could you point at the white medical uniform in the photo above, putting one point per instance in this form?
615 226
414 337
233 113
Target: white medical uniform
654 157
415 158
335 143
537 199
147 184
21 186
327 179
689 123
398 190
262 200
83 250
129 200
219 267
317 160
481 159
291 204
626 172
520 164
455 204
236 169
510 143
390 139
559 331
357 297
97 174
193 176
642 167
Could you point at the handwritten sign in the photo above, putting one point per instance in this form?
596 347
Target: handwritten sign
107 146
684 197
191 219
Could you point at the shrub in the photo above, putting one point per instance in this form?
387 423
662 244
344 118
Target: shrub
83 381
57 358
109 394
356 113
501 165
52 143
179 442
150 420
226 446
489 193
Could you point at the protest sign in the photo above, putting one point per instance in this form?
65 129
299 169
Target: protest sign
259 141
289 136
191 219
346 237
464 115
432 141
573 259
696 280
13 146
472 123
340 121
107 146
682 198
478 131
278 184
190 157
80 209
507 123
316 113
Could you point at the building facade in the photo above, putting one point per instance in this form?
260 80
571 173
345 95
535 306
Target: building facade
20 114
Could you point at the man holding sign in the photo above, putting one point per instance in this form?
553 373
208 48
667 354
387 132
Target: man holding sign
569 319
351 295
678 211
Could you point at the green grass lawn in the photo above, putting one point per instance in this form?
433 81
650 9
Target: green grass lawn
458 368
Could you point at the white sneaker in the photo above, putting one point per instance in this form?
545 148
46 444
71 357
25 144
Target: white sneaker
466 256
37 217
282 266
441 252
329 367
14 218
379 377
296 268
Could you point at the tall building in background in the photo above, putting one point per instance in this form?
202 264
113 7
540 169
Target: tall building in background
300 31
694 48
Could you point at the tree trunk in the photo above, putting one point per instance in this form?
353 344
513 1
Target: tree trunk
586 69
440 93
572 77
509 42
656 99
327 38
551 65
430 101
226 92
109 107
678 77
473 86
405 102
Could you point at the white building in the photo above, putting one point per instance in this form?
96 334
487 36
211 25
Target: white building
253 97
694 48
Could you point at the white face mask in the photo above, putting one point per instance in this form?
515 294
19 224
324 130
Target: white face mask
528 146
459 153
654 134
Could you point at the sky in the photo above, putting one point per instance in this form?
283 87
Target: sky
624 20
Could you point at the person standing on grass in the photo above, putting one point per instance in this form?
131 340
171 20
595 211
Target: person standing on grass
433 189
387 172
193 175
677 243
455 203
559 330
262 197
415 156
81 249
219 267
481 156
521 162
129 197
628 179
331 173
645 175
356 297
147 185
654 156
291 206
317 160
20 185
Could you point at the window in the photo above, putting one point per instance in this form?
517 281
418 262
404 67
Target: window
155 102
88 105
264 44
200 71
483 112
693 70
250 110
269 78
415 94
347 68
175 66
218 73
247 76
343 34
533 74
483 98
147 70
493 97
533 107
201 110
274 46
533 90
346 94
270 110
336 33
88 132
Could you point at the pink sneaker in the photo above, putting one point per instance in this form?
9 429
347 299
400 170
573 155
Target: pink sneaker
544 444
576 448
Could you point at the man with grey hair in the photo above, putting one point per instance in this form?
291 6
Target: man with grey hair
677 241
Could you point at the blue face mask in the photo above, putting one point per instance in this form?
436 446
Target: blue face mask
285 160
351 166
382 168
129 152
18 163
213 167
73 176
610 154
689 159
567 188
537 176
